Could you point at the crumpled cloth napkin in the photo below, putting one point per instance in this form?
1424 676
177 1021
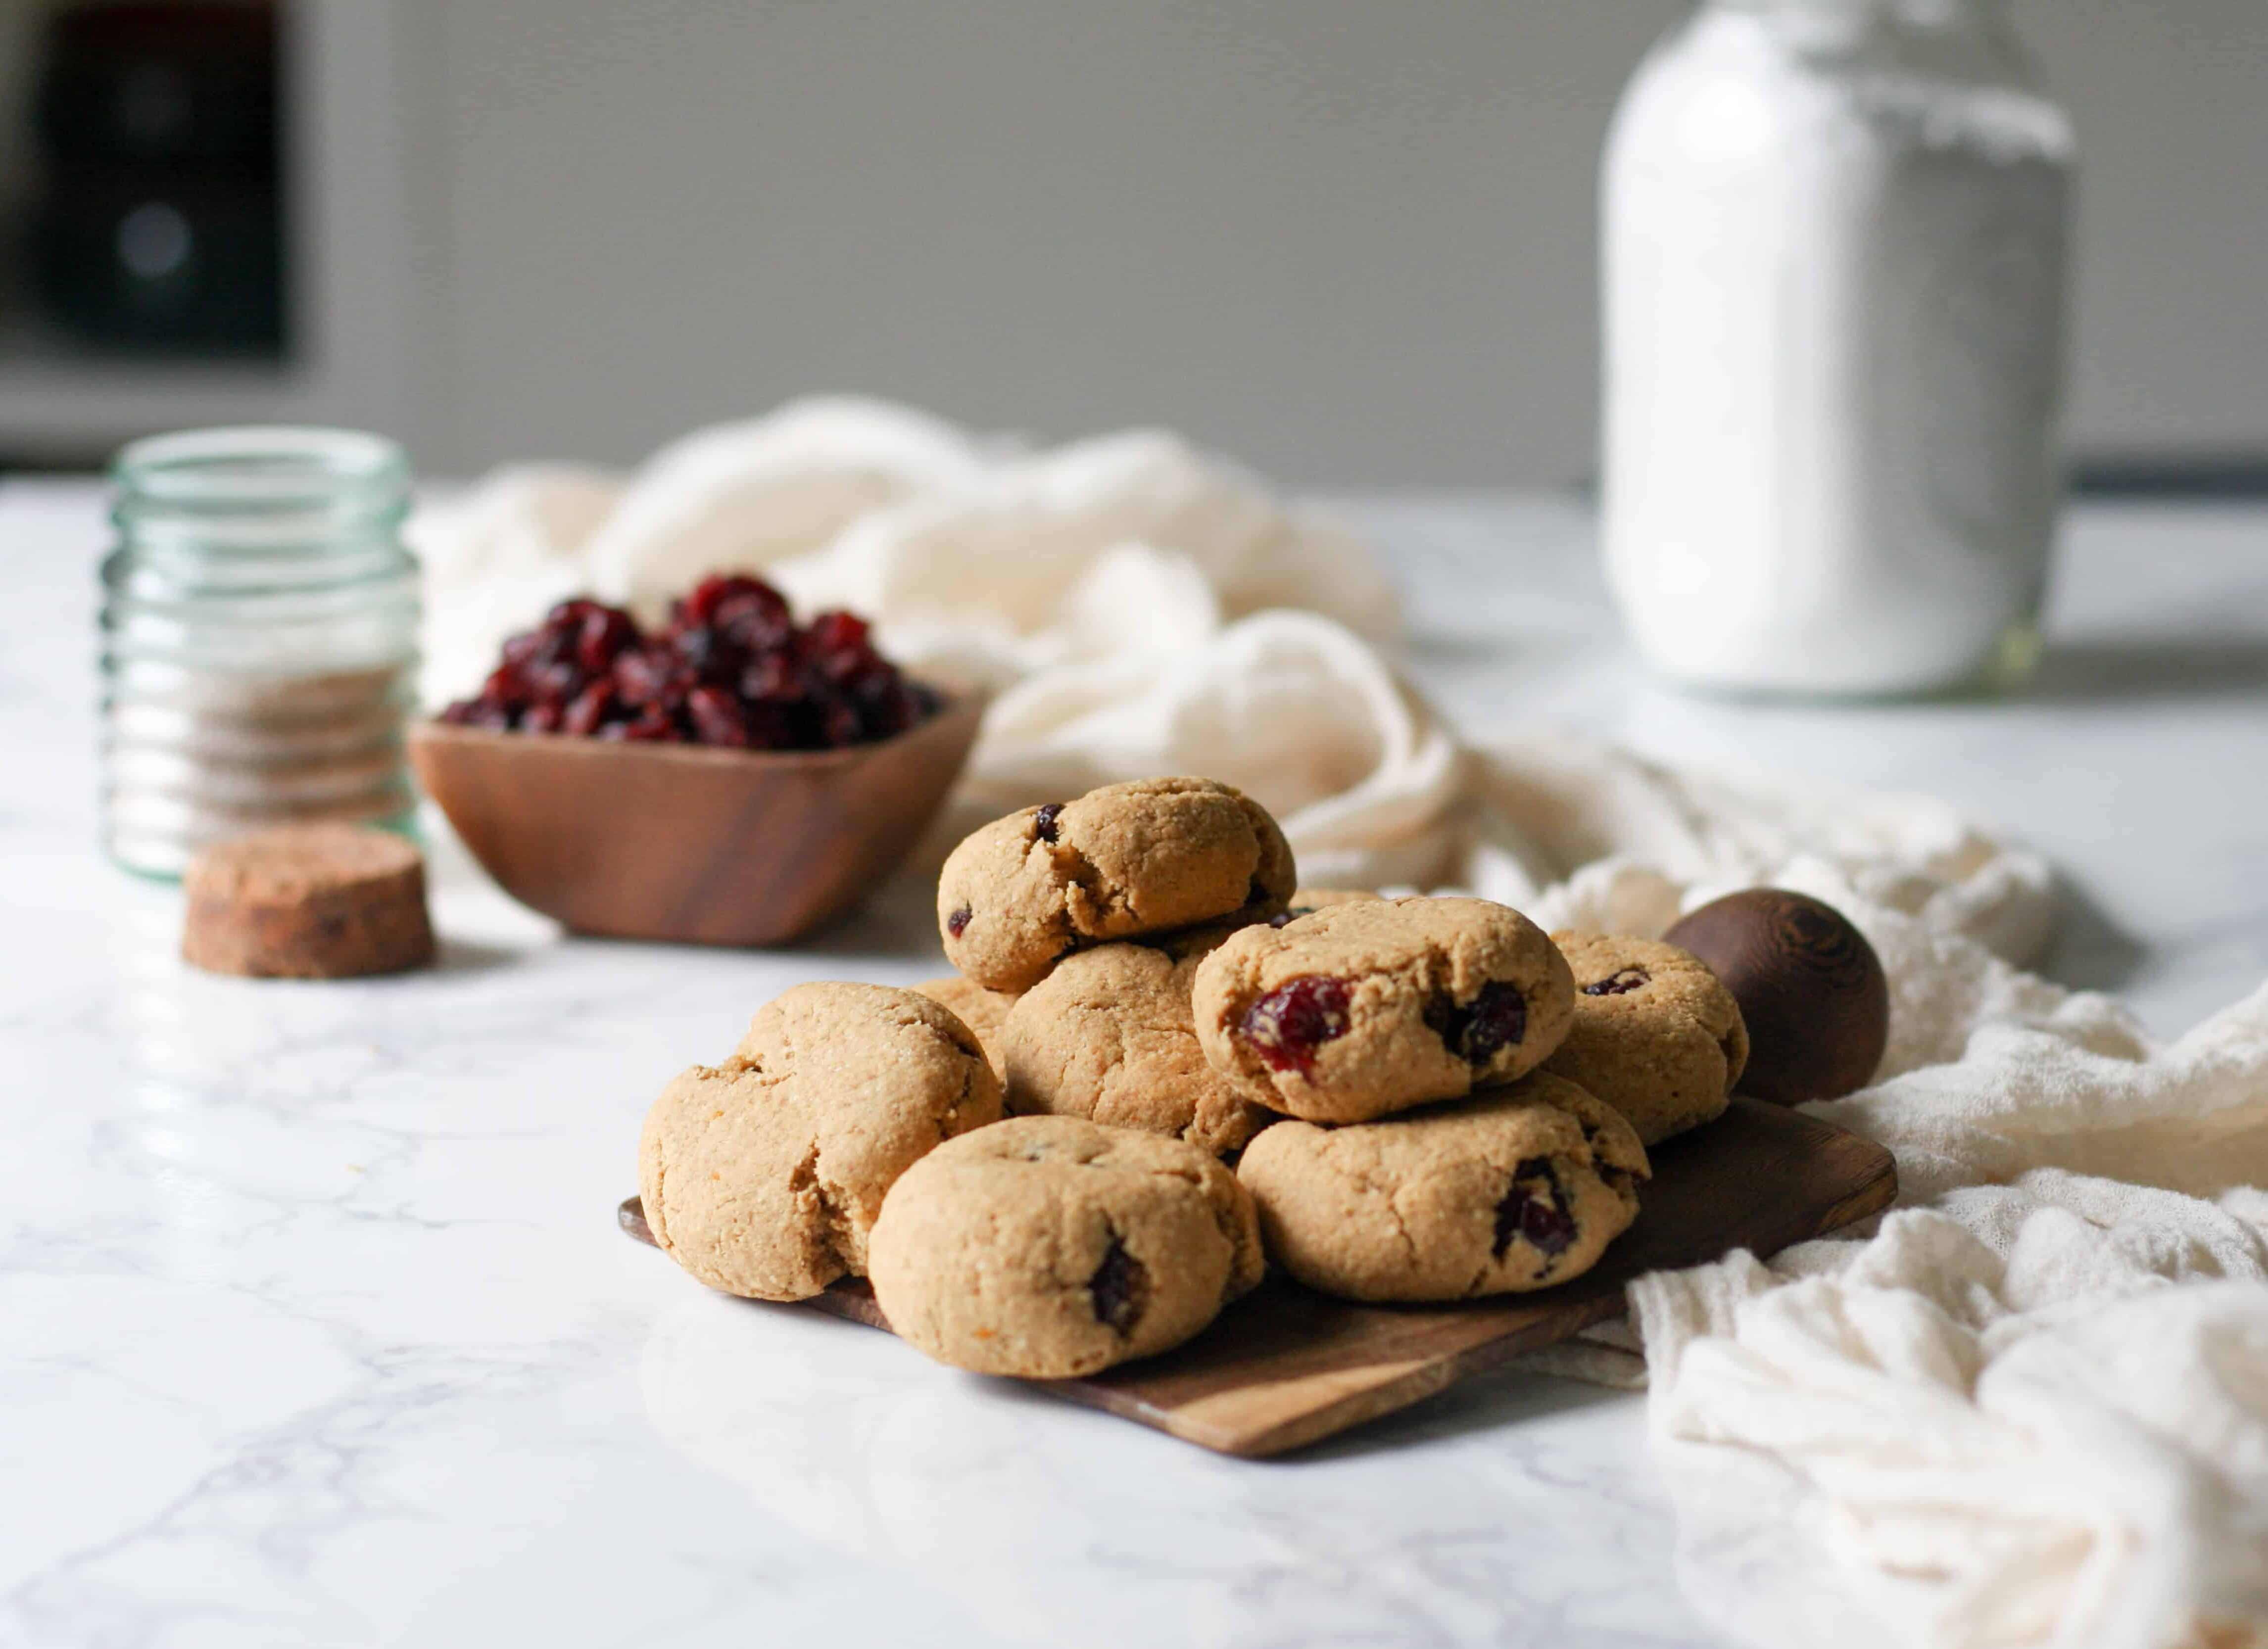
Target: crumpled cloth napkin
979 562
2031 1406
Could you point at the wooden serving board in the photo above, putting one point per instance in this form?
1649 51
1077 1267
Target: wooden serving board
1284 1366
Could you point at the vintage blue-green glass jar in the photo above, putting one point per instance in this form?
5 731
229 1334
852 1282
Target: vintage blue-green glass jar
259 639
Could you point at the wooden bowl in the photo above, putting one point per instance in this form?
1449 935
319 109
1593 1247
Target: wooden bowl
684 842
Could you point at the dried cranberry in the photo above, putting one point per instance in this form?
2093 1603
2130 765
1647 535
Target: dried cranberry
606 632
1291 1022
837 640
1620 984
838 723
507 685
1120 1288
1497 1018
755 615
1285 918
552 682
732 669
1536 1207
651 725
729 599
478 712
957 924
644 675
890 709
706 652
1043 822
589 709
771 675
716 717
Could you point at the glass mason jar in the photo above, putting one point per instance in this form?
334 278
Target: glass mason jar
259 639
1833 258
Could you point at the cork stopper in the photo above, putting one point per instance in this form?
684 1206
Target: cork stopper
307 901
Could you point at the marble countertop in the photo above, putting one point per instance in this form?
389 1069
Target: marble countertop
319 1331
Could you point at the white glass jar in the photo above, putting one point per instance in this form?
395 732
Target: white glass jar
259 639
1834 249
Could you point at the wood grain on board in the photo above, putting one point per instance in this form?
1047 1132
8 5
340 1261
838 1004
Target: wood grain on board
1284 1366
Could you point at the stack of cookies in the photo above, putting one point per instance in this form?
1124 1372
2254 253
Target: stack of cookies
1426 1099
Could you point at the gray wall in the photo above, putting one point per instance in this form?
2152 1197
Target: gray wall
1349 239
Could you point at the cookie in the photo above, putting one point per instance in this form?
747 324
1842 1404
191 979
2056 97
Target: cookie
1655 1036
307 901
982 1011
1025 891
1519 1187
1372 1006
1051 1247
1108 1036
762 1177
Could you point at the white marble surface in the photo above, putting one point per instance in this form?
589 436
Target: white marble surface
318 1330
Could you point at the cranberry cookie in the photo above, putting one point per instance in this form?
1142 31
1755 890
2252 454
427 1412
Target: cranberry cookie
1050 1247
762 1177
1521 1188
1108 1036
982 1011
1366 1008
1127 859
1655 1036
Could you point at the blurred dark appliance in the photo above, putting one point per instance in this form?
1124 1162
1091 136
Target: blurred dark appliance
159 224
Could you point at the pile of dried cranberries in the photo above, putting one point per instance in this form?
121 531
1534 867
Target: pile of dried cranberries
731 668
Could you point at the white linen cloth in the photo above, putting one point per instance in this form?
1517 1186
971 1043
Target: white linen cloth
2032 1408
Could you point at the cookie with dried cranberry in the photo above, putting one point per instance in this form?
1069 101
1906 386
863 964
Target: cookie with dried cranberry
1656 1036
1108 1035
1366 1008
763 1175
1050 1247
1519 1187
1024 892
982 1011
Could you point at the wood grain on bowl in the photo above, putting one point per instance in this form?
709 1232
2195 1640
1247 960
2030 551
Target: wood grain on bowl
1284 1366
684 842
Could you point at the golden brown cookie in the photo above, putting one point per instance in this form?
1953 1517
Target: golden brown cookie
982 1011
1370 1007
1119 862
1108 1037
307 901
1519 1187
763 1175
1051 1246
1655 1035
